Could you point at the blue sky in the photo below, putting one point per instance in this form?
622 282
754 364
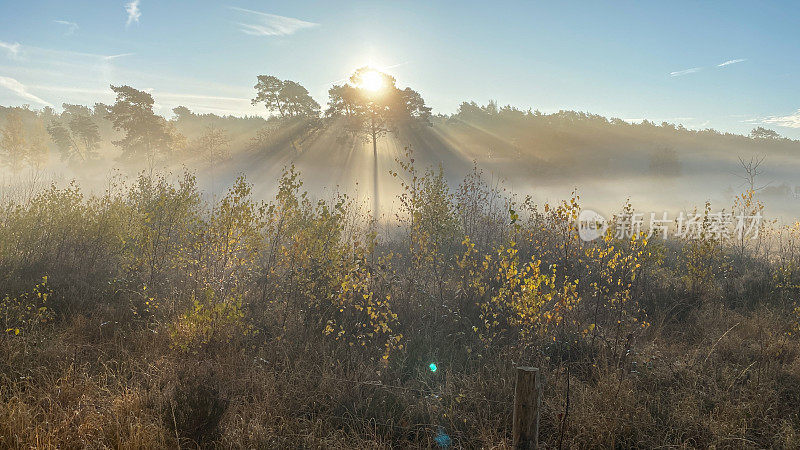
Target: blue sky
663 61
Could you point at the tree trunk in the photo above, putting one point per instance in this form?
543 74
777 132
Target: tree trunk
375 207
375 204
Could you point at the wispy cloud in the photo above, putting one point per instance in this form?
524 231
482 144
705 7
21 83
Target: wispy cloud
680 73
12 49
71 89
789 121
732 61
271 24
121 55
20 89
83 78
72 27
134 14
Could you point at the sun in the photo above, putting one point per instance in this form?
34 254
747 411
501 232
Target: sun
371 80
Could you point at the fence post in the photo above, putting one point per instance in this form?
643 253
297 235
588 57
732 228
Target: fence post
527 399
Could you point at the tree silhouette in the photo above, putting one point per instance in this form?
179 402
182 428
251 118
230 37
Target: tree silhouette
372 106
764 133
145 132
75 133
288 98
373 113
183 113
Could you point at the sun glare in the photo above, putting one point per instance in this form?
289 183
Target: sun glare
371 80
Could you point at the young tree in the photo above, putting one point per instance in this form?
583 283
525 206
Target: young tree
12 143
288 98
145 132
38 152
75 133
23 141
213 146
373 106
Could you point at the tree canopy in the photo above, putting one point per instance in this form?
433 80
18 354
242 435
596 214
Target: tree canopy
145 132
75 133
378 108
764 133
288 98
23 140
12 141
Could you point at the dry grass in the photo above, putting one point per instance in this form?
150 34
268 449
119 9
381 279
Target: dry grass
728 379
167 323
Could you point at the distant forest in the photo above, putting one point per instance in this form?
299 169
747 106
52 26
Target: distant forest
80 134
521 145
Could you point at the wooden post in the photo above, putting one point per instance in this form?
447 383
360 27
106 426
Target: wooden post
527 399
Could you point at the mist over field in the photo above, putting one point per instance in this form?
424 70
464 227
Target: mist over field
659 167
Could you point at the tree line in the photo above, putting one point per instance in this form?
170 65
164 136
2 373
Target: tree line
137 132
77 132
